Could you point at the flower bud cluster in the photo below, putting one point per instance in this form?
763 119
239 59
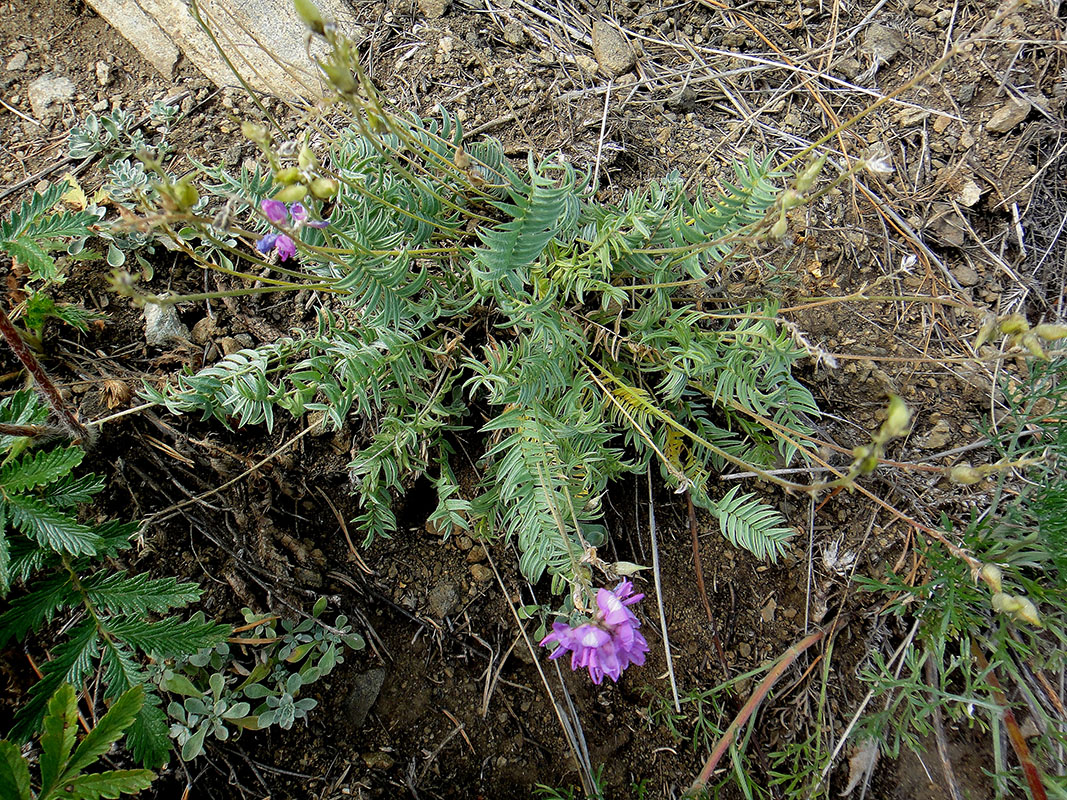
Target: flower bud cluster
1020 334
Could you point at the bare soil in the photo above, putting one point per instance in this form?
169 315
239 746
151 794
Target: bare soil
969 214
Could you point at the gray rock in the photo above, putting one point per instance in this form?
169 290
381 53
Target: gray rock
1008 116
142 31
882 43
515 34
48 94
443 599
611 49
938 437
162 326
434 9
966 275
361 699
163 30
103 73
17 61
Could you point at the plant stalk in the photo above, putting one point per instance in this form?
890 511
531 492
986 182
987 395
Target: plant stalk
78 432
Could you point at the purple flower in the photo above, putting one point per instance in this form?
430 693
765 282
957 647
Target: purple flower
275 211
608 643
278 243
280 214
284 247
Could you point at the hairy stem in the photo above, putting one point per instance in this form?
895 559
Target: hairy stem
77 431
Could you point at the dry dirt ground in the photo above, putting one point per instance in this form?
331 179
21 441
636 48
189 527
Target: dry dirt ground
972 212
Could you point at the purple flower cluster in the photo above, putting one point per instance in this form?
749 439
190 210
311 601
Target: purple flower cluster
608 643
294 215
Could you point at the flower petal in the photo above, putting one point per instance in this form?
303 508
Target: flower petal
285 247
274 210
266 244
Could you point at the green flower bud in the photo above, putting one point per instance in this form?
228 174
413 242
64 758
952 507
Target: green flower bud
1005 603
324 188
255 132
292 194
310 14
1032 345
807 178
964 474
1051 333
896 424
307 159
184 194
627 568
1027 612
1014 323
992 575
791 199
287 176
340 78
985 333
780 228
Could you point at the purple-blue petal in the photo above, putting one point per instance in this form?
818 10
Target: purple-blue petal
285 247
266 244
274 210
298 212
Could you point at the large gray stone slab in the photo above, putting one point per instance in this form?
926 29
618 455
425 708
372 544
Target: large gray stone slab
264 40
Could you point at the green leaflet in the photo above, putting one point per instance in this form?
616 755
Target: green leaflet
62 764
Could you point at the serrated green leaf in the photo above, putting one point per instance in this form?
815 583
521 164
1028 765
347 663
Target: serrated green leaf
169 635
119 593
32 256
108 785
31 611
148 737
14 773
107 731
53 529
39 468
58 736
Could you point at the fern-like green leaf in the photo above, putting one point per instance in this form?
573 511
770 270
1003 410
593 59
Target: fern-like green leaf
49 526
750 524
118 593
108 785
39 468
170 635
32 256
29 612
537 212
31 210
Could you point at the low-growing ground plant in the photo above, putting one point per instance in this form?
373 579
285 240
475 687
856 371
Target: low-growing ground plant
462 293
111 620
218 683
981 661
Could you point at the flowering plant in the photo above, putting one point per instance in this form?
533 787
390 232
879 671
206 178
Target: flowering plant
609 642
293 215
